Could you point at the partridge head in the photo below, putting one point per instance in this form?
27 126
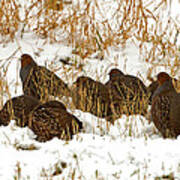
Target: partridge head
163 77
27 63
26 59
114 73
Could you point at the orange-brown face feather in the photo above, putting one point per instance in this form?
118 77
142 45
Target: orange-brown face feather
25 60
162 77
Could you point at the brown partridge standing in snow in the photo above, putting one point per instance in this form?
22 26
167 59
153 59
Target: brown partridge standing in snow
128 93
51 119
91 96
165 110
39 82
18 108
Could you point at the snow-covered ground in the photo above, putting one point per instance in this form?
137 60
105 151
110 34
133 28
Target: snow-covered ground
131 149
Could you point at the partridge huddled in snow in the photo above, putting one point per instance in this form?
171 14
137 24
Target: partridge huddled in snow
165 110
40 82
121 94
92 96
128 93
51 119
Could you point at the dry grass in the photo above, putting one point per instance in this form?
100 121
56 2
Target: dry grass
9 19
84 26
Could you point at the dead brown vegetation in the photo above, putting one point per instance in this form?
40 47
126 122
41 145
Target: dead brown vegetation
85 26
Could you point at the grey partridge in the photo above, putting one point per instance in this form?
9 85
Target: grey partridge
91 96
18 108
165 110
40 82
51 119
128 93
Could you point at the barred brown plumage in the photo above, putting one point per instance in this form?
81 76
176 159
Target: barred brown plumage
165 110
51 119
40 82
128 93
18 108
91 96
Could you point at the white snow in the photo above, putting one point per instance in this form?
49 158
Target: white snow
131 149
